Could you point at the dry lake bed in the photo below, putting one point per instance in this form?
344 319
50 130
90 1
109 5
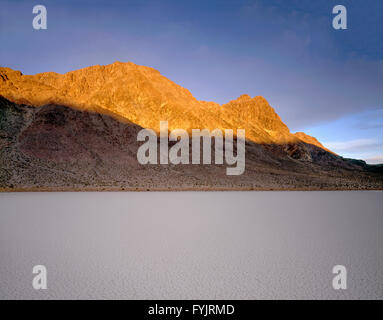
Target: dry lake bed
191 245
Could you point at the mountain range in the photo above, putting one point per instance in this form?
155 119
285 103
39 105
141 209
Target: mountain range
78 131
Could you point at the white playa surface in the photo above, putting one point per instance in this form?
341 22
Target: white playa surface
191 245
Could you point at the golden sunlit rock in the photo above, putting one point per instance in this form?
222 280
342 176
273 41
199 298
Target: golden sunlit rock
145 97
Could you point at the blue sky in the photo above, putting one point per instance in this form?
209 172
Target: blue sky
326 82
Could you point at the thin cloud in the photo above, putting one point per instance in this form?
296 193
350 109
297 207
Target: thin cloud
375 160
354 146
370 120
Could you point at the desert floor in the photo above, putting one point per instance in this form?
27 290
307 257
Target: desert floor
191 245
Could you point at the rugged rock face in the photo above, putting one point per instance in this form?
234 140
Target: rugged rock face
78 131
310 140
145 97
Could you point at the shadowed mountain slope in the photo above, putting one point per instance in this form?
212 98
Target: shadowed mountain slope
56 147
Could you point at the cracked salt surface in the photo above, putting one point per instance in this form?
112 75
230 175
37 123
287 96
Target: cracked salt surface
191 245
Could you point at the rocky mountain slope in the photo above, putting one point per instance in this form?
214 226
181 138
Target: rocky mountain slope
78 131
145 97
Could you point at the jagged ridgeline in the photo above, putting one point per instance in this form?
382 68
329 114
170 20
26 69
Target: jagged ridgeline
78 131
